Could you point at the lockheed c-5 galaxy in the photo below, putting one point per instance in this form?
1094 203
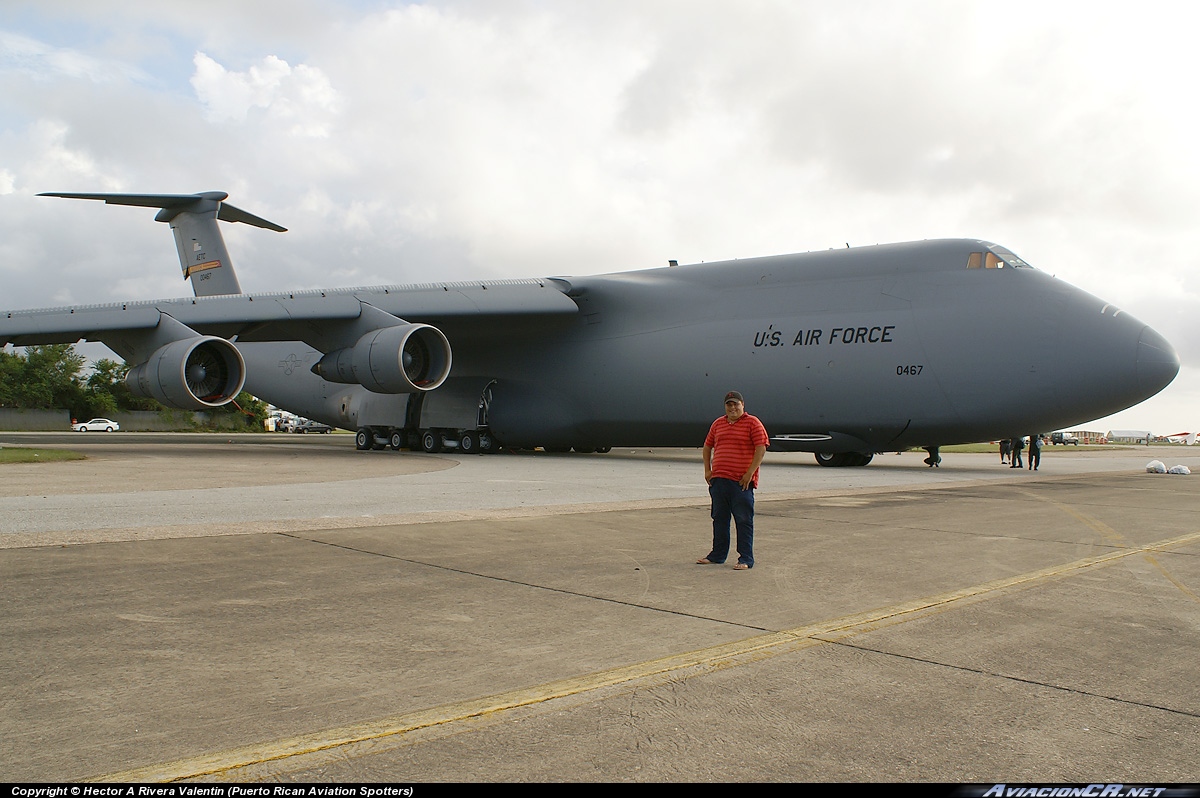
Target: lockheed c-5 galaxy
843 353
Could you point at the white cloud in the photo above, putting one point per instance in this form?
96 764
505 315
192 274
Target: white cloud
300 100
55 155
44 62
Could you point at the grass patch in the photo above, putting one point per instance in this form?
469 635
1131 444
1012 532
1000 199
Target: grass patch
994 448
971 448
18 454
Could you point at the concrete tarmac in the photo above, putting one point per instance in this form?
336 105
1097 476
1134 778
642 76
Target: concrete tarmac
283 608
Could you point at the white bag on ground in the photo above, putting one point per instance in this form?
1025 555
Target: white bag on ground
1156 467
1179 469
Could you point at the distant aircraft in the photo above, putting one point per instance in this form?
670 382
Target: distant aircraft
843 353
1188 438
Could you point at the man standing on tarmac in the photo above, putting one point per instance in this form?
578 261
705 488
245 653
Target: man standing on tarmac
733 451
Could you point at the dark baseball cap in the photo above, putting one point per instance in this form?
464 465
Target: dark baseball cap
734 396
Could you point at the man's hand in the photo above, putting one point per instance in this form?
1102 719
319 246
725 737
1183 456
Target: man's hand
747 478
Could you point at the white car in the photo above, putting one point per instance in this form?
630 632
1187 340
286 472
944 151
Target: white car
96 425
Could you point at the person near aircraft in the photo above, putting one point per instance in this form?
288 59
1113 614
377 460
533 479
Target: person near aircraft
1035 452
733 451
1005 450
1018 443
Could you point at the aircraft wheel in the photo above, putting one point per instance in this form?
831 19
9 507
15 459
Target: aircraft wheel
431 441
363 439
396 440
469 443
843 459
584 449
487 444
603 449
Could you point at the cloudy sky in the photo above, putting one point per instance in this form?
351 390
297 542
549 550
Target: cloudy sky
403 142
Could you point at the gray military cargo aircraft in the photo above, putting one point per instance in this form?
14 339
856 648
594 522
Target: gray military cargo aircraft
843 353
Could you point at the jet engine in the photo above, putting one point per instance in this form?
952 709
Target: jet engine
191 374
406 358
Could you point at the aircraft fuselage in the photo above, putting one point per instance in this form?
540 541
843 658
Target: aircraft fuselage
871 349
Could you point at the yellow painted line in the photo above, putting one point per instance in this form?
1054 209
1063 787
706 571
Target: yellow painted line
1170 578
1111 534
1095 524
701 661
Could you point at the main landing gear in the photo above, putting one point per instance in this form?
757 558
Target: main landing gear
474 441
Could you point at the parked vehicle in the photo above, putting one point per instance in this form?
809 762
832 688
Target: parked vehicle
1064 438
312 426
96 425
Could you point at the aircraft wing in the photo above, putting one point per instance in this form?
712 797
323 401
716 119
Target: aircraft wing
324 319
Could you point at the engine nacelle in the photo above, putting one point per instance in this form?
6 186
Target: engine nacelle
191 374
406 358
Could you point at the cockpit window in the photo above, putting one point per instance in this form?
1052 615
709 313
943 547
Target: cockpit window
984 260
1011 259
995 258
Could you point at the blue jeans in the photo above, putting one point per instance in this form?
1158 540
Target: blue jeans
730 501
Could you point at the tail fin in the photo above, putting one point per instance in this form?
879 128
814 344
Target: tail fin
193 219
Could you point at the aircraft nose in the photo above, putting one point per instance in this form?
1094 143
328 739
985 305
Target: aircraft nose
1157 362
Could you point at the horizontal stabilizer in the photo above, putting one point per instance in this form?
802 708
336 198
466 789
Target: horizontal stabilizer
177 202
142 200
193 219
228 213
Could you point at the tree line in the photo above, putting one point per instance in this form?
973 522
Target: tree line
52 378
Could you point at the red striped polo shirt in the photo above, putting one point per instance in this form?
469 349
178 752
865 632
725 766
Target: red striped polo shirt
733 446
